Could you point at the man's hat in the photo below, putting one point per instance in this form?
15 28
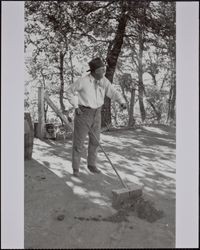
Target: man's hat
95 64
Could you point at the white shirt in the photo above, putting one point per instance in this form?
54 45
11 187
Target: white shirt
89 92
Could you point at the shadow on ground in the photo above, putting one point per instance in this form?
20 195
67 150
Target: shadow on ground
54 198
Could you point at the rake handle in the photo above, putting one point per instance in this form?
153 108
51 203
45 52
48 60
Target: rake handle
123 184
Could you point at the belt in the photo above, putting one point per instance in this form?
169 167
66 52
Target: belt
81 106
85 107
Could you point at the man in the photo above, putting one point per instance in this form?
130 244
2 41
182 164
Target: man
87 97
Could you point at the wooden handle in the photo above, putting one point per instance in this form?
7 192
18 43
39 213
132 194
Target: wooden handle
123 184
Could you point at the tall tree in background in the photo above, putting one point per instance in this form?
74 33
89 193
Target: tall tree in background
49 30
128 85
135 42
151 30
114 50
123 11
122 31
162 23
170 37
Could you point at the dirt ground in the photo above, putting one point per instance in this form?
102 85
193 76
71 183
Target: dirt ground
62 211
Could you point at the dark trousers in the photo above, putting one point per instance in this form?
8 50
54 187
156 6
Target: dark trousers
90 118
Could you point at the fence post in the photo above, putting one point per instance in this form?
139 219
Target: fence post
41 122
57 111
28 136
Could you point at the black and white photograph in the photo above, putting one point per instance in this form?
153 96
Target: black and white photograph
100 124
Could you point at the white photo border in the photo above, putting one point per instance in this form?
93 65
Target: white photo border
12 125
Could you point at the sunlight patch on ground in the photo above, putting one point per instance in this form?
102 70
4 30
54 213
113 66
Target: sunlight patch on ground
76 180
164 150
145 158
166 140
100 202
70 184
93 196
109 139
124 163
116 158
160 192
134 179
137 173
57 172
167 163
39 143
80 191
167 174
106 182
156 130
127 178
151 166
148 189
56 164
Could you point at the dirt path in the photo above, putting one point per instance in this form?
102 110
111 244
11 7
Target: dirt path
62 211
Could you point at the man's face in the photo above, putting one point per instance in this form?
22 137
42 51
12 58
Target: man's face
99 73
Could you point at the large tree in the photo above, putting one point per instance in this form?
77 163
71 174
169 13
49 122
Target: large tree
118 31
162 23
49 30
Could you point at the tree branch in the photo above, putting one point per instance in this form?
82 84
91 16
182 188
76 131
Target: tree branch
99 7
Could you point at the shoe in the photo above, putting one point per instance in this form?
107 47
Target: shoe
94 169
76 173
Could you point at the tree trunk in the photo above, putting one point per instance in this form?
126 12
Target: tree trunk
141 103
41 123
125 98
61 82
45 113
172 101
114 115
140 82
45 106
112 57
106 113
131 121
172 93
28 136
154 79
157 113
72 69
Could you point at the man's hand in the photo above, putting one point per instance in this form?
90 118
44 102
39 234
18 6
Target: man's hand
78 111
123 106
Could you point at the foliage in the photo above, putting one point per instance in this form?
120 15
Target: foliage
62 36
